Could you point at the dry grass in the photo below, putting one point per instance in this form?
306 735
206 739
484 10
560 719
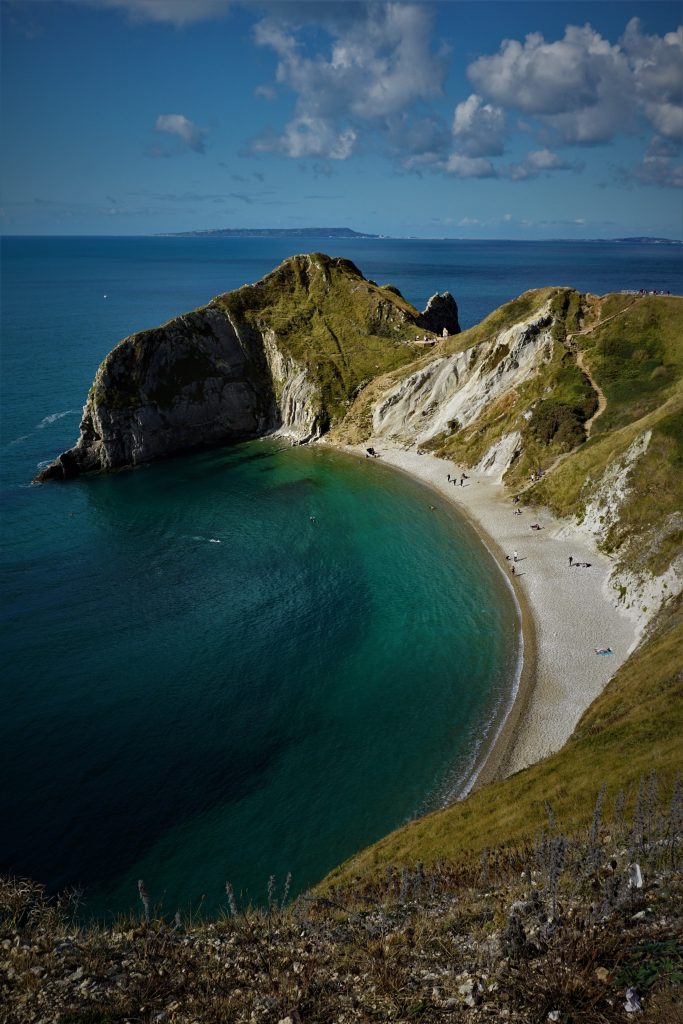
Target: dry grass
511 937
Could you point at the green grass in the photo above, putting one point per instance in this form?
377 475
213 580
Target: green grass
345 330
637 358
636 724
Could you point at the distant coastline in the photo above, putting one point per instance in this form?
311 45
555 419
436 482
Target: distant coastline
269 233
350 233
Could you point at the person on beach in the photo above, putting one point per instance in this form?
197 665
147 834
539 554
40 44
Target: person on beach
449 477
514 556
513 570
571 559
603 650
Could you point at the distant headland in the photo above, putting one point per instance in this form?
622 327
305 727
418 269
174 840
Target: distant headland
271 233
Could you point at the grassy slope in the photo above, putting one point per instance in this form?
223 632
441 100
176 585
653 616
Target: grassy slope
637 360
327 317
634 726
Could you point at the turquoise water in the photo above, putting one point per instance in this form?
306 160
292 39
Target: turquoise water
199 683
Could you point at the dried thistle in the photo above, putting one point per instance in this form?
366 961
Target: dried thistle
144 898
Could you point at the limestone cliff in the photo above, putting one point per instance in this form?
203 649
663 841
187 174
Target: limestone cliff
286 354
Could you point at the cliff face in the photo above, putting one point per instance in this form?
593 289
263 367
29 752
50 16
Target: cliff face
286 354
456 389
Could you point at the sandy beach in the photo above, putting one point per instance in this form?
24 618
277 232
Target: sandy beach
565 610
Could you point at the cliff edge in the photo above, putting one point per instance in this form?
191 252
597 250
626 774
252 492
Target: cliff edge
287 354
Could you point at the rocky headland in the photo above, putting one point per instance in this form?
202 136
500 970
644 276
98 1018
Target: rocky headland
286 354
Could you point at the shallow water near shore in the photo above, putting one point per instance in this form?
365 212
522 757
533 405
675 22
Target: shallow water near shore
199 682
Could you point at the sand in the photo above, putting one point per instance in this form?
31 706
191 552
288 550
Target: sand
566 612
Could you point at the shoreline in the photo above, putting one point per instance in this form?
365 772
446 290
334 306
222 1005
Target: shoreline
558 608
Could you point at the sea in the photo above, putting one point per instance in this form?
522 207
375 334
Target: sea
247 663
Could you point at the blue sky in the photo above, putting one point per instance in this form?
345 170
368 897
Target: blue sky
479 119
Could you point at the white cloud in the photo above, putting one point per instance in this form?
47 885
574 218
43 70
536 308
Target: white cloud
539 161
189 135
377 67
585 88
577 83
657 63
470 167
478 127
310 136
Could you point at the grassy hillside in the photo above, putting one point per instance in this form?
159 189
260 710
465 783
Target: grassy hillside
636 358
634 726
328 317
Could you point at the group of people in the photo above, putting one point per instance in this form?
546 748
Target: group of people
454 479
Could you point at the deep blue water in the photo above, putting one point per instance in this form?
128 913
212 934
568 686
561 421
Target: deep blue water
190 711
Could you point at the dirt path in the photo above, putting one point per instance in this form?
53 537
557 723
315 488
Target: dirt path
581 363
602 401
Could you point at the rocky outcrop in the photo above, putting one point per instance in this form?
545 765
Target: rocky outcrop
198 380
285 354
440 314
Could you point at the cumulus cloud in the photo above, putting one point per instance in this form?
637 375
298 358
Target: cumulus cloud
265 92
479 127
377 67
538 162
306 136
470 167
188 134
584 88
657 63
577 83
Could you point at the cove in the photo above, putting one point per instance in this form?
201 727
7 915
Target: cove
239 664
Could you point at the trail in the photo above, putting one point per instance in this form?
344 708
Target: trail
581 363
602 401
